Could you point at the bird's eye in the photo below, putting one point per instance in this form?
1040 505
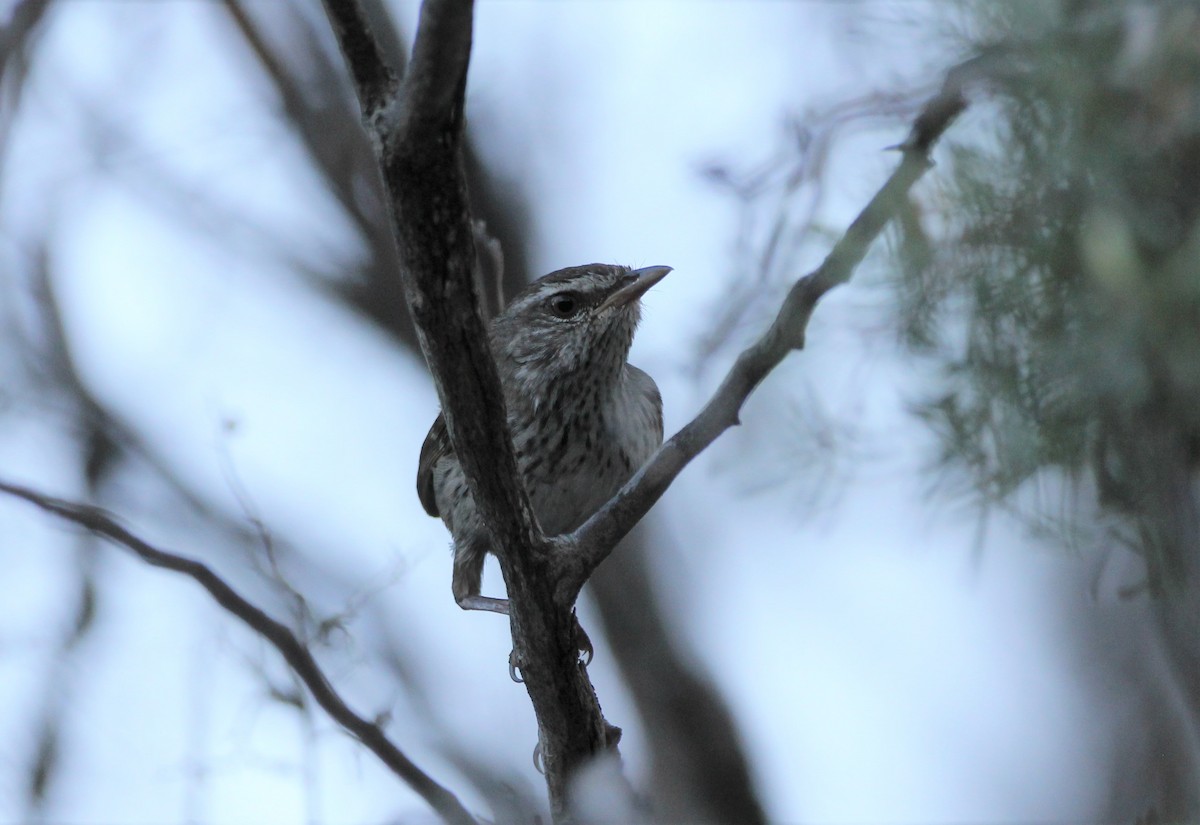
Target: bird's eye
565 305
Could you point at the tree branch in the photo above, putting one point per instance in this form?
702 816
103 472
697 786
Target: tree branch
420 156
102 524
374 79
421 159
437 75
582 552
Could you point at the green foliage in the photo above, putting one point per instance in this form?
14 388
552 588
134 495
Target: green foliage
1062 288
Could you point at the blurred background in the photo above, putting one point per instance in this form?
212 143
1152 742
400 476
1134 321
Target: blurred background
944 572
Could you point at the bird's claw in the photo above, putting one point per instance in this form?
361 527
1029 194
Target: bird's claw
586 651
538 764
582 642
584 645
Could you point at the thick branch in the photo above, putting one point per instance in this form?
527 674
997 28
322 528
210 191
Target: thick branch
421 160
420 155
280 636
582 551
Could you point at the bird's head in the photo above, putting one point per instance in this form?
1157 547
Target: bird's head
581 318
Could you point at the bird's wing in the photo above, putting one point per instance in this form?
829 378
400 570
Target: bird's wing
649 389
436 447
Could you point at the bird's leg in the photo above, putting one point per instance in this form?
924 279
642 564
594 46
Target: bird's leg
477 602
466 583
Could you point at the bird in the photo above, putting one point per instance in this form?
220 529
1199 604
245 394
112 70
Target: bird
582 419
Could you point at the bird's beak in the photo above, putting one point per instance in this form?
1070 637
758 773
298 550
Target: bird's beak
639 281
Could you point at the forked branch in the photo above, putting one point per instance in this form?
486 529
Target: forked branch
420 157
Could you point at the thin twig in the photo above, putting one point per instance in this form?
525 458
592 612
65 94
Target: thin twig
101 523
437 74
375 81
582 551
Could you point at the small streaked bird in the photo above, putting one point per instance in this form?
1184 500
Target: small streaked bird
582 419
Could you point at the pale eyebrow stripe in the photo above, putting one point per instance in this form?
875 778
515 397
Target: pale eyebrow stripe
549 290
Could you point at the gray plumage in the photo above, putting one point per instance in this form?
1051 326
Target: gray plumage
582 419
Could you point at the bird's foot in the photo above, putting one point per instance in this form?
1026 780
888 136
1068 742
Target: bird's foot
583 643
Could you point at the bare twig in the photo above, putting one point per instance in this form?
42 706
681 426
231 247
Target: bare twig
374 80
791 188
298 657
437 76
587 547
